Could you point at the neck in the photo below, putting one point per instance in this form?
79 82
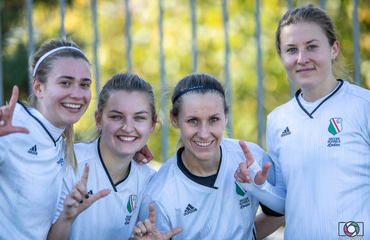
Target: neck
201 167
315 93
117 166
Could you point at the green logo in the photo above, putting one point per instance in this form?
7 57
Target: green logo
239 190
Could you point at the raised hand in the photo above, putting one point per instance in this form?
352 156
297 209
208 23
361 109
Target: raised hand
144 155
78 199
6 115
242 174
147 230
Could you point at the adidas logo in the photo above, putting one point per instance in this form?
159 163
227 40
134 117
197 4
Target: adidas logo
285 132
189 209
33 150
61 161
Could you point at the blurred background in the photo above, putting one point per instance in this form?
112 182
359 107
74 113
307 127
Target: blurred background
164 40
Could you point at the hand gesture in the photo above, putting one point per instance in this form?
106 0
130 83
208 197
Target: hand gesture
144 155
78 199
147 230
6 115
242 174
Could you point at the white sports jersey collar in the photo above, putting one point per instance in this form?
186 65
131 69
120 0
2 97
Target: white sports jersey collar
54 132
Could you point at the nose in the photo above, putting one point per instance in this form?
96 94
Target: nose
203 131
76 91
302 57
127 126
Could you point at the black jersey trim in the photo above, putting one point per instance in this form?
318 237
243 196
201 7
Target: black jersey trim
42 125
310 114
270 212
254 234
106 170
200 180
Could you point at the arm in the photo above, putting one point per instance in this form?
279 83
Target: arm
77 201
253 179
6 115
265 225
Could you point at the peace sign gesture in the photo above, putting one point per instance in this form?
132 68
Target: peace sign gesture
242 174
147 230
78 199
6 115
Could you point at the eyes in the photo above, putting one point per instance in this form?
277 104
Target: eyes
293 50
84 84
195 121
136 118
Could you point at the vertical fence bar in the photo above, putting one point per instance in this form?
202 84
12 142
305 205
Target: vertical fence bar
356 43
323 4
30 41
291 84
62 11
260 102
96 44
194 49
128 36
164 132
225 18
1 63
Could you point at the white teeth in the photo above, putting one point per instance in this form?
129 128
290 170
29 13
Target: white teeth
69 105
130 139
203 144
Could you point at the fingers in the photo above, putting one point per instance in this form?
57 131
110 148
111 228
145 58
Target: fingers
141 228
173 232
244 173
261 176
103 193
151 213
247 153
85 175
19 130
240 177
14 98
147 153
140 158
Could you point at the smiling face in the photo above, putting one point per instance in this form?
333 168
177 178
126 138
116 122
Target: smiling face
307 57
126 123
202 121
65 96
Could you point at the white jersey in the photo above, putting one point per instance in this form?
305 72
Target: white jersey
30 176
114 216
323 159
220 212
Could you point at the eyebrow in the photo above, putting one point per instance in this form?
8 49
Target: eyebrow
137 113
308 42
73 78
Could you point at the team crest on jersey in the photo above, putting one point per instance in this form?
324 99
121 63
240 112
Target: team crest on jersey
239 190
131 203
335 125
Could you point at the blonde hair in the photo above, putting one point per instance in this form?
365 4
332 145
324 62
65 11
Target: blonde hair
41 74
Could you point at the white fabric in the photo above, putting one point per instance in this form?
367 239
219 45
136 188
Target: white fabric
327 176
204 212
30 184
109 217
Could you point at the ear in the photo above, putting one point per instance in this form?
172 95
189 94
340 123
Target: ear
98 120
335 50
174 120
226 118
36 87
153 124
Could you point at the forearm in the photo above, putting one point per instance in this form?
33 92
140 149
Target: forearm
271 196
60 229
265 225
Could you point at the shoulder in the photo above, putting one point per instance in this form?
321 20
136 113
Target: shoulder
143 169
282 109
234 152
85 151
357 92
163 179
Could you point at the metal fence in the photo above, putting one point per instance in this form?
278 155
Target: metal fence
194 51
